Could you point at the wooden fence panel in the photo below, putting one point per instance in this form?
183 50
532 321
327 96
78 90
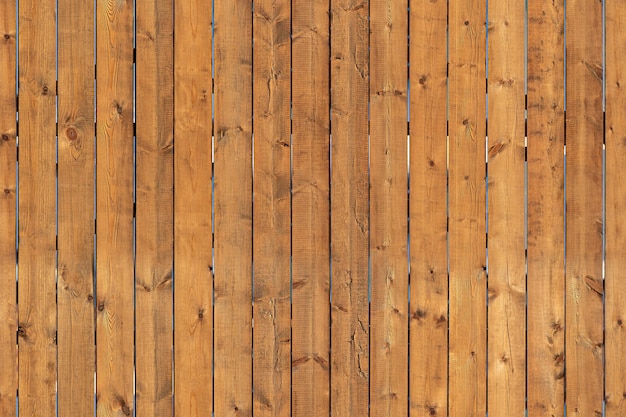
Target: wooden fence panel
584 335
546 273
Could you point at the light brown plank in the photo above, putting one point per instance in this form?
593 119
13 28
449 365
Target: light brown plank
8 194
507 256
467 334
272 208
154 212
546 274
349 74
76 133
388 208
615 280
233 209
310 208
427 206
37 331
114 210
584 336
193 304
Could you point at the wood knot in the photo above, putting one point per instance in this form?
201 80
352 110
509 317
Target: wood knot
422 80
465 122
101 306
431 162
432 411
7 36
7 191
90 298
126 410
201 313
619 322
71 133
21 331
44 90
466 23
5 138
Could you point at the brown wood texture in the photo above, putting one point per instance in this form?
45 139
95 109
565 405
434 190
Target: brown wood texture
584 336
388 208
154 207
310 202
8 196
37 312
193 244
428 312
546 274
467 262
233 209
506 155
615 279
272 208
76 224
349 73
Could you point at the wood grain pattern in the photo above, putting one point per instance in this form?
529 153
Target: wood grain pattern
584 335
193 244
388 208
233 209
8 195
76 134
349 72
272 208
37 310
310 208
506 361
546 274
427 208
154 212
467 262
615 282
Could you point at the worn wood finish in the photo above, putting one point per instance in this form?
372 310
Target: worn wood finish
467 351
37 312
76 228
584 336
506 362
310 209
193 258
388 208
154 207
427 208
8 195
546 274
233 209
272 208
615 280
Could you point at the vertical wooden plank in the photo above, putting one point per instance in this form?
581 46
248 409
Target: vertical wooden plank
349 73
233 209
615 280
507 253
428 209
114 210
154 213
8 194
76 133
388 208
584 336
546 274
193 304
310 208
37 325
467 351
272 211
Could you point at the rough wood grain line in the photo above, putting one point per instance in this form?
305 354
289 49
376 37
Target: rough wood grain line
76 133
310 208
233 209
37 331
468 325
154 213
349 74
584 383
507 253
8 194
272 208
114 210
428 312
388 208
546 274
615 280
193 127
